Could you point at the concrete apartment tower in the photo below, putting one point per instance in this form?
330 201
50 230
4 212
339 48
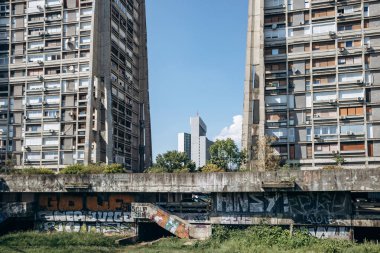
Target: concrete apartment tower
199 143
74 83
313 80
184 143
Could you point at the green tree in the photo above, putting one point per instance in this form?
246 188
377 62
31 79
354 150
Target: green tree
226 155
174 161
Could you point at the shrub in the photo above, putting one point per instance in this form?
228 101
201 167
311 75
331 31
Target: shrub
37 171
156 169
208 168
74 169
332 167
113 168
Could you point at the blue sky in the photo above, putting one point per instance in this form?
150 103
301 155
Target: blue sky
196 59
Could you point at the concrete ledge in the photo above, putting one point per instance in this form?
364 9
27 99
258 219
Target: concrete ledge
311 180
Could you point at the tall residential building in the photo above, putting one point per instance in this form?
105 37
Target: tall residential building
184 144
313 80
199 143
74 83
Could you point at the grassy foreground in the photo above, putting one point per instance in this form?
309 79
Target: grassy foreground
254 239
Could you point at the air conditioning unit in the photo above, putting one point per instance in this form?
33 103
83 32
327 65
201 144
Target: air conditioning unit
369 84
283 5
40 62
316 136
26 117
71 114
62 133
26 147
340 14
40 77
302 23
343 117
72 39
342 49
332 101
56 116
359 81
335 152
26 160
317 116
28 104
350 133
51 131
72 69
367 46
42 33
307 122
274 26
43 89
360 98
40 48
332 33
40 8
44 102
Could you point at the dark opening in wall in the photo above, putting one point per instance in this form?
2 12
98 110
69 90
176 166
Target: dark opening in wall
362 234
148 231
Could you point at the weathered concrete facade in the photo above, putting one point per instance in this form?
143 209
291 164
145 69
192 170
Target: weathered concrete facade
312 180
327 203
312 81
74 83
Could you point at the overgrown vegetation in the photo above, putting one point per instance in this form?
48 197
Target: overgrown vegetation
92 169
226 155
77 169
261 239
172 162
57 242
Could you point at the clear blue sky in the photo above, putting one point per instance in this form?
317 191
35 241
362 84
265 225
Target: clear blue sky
196 59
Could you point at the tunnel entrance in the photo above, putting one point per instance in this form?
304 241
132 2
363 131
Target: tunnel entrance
362 234
150 231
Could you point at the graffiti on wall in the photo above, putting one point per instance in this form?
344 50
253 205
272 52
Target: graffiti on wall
329 232
304 208
107 213
171 223
127 229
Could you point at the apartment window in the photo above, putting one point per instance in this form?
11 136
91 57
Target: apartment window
33 156
275 51
356 129
322 63
53 85
366 10
326 45
34 100
86 11
352 146
53 57
349 26
53 29
281 133
351 94
35 86
349 43
85 25
34 114
52 71
84 82
84 40
351 77
35 58
50 155
325 130
324 80
325 114
351 111
33 128
51 126
53 2
35 44
351 60
326 148
51 113
84 68
324 28
50 141
324 96
35 72
33 141
52 99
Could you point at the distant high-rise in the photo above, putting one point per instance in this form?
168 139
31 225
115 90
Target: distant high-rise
74 83
199 143
313 81
184 143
